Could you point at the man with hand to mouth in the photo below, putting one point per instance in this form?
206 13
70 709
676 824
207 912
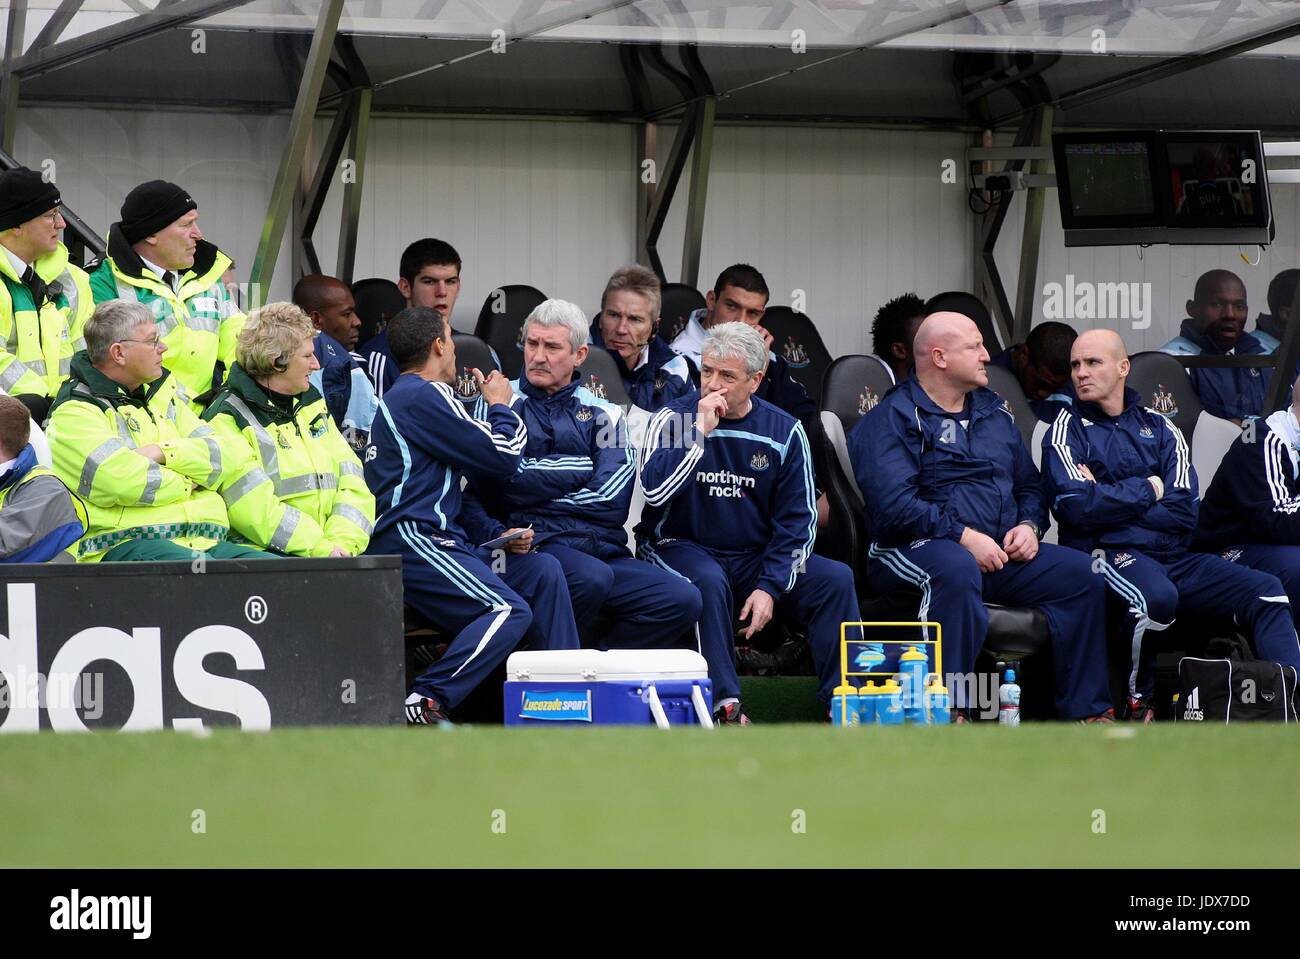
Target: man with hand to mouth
730 506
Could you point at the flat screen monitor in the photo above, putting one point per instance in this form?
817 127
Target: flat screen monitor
1178 187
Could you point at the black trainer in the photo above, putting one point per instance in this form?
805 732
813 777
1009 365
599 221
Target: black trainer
427 712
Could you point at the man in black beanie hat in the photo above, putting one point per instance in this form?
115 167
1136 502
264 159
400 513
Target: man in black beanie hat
44 300
157 255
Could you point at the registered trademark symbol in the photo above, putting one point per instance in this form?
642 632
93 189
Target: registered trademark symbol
255 610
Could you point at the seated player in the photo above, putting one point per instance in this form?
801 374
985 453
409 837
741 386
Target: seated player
730 506
123 438
955 509
341 378
627 328
893 331
422 445
295 487
1042 366
1251 513
1121 482
1270 327
574 487
429 277
1215 326
39 519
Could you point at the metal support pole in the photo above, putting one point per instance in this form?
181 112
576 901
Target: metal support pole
304 111
8 76
701 157
647 148
1032 235
357 144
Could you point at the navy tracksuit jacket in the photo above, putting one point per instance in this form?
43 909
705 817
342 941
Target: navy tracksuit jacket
422 443
928 474
1251 512
574 487
1148 569
378 363
1234 394
735 511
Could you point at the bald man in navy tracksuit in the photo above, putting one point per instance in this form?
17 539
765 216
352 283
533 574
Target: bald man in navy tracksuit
955 509
422 443
730 505
1120 480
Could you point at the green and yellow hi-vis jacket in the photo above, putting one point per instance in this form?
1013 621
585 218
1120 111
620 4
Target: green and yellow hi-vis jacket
95 428
300 490
36 347
199 322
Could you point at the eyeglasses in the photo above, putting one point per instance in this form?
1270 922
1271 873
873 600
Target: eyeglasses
152 342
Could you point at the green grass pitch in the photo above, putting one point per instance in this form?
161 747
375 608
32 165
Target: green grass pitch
775 795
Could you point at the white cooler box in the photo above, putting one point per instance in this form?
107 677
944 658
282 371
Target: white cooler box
667 687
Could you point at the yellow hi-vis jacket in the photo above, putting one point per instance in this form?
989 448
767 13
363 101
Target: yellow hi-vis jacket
36 348
199 322
95 428
300 490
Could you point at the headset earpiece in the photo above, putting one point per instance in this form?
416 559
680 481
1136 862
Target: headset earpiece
281 363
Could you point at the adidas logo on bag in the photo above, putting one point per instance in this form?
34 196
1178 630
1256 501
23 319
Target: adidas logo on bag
1193 710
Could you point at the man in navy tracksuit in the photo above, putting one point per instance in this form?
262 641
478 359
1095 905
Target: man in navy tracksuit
955 509
422 442
1251 513
1121 482
653 374
1216 326
730 506
573 488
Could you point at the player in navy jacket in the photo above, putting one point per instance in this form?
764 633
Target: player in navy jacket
955 509
1121 482
730 506
422 443
1251 512
1215 326
573 488
653 373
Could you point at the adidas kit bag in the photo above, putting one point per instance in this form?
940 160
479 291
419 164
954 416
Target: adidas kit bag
1234 690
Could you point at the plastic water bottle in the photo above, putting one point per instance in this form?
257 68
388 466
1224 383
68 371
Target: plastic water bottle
913 668
889 707
868 696
844 706
1009 700
937 703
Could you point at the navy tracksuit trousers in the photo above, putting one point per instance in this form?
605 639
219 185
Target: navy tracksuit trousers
1059 581
823 597
454 587
651 607
1153 592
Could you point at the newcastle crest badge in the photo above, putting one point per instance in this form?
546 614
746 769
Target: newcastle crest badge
597 388
759 461
583 414
795 354
1163 402
867 401
466 385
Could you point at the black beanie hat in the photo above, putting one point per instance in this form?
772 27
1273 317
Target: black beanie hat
151 206
24 195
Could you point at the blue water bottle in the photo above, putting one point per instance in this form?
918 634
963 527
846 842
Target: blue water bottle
913 668
1009 700
889 707
844 706
937 703
868 695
